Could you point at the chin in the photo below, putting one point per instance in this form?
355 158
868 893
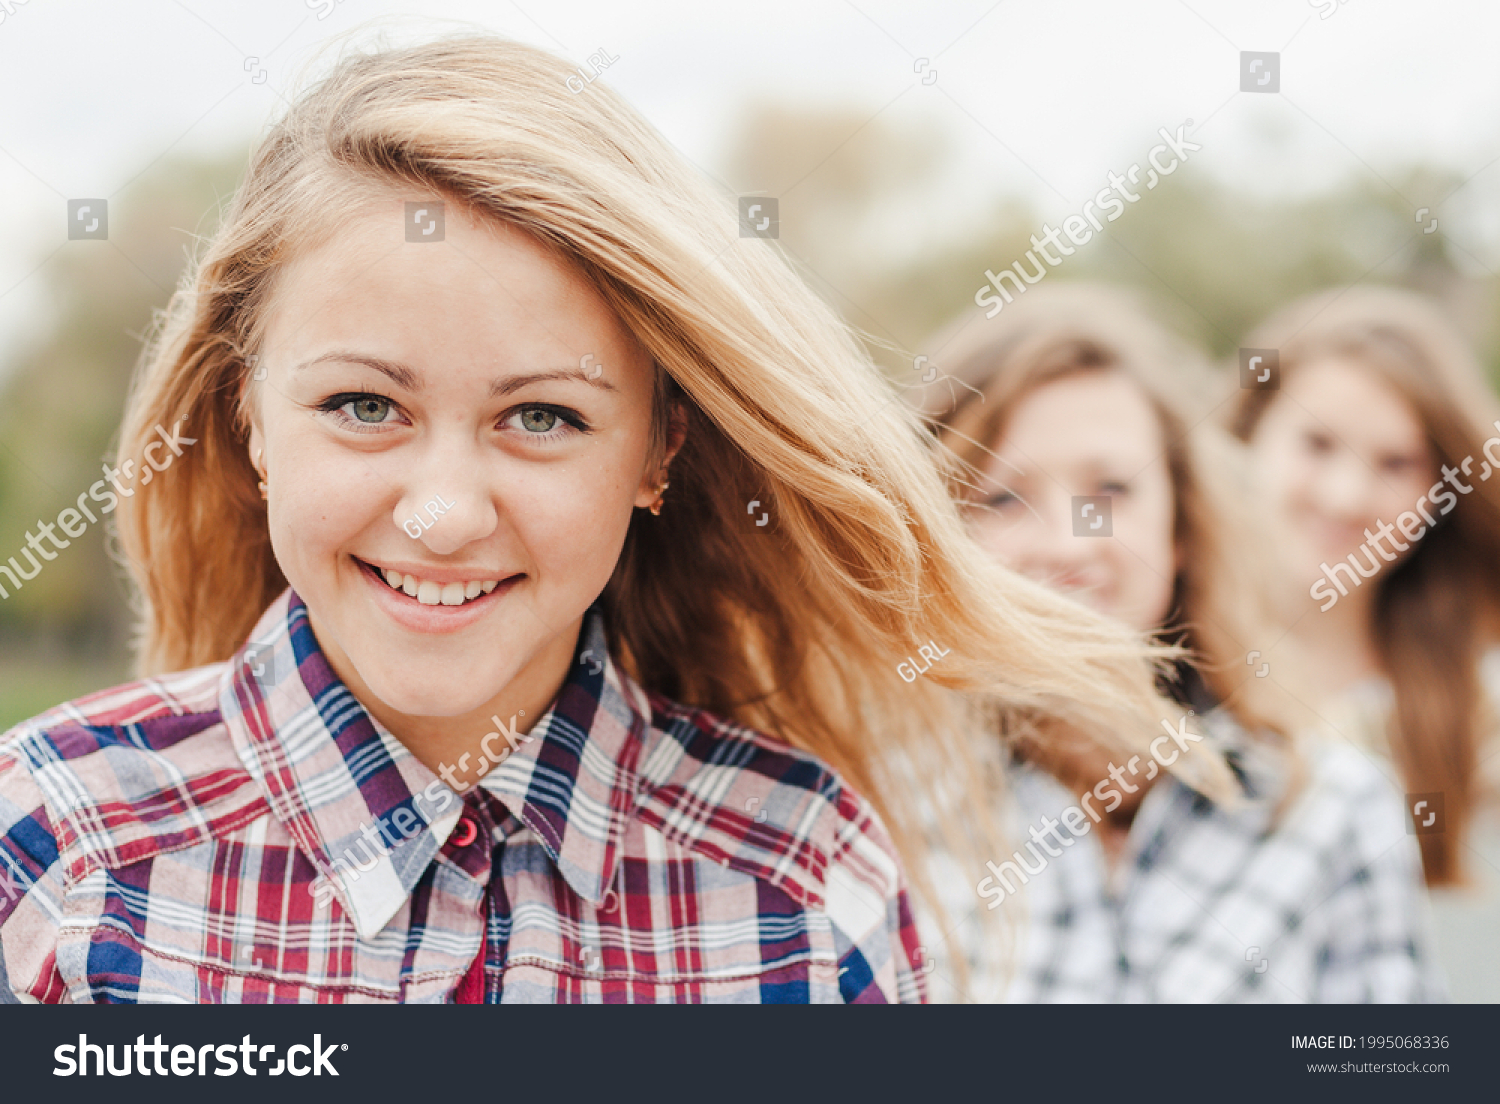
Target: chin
439 690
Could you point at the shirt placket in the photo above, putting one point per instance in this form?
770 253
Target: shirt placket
472 846
1142 851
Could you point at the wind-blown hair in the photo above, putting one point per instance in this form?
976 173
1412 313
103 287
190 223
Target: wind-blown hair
1221 594
1437 610
796 628
1221 605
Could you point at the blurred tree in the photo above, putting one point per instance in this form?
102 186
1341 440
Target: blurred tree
859 219
61 403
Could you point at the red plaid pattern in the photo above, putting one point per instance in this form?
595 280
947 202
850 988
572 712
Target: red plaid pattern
246 832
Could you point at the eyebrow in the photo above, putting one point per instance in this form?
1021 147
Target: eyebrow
407 379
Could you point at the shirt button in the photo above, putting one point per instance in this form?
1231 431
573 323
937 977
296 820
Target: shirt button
465 832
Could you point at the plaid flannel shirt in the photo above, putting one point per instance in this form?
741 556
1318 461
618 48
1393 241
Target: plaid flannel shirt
1216 904
207 837
1207 903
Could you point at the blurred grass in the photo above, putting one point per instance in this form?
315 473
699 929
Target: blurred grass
29 687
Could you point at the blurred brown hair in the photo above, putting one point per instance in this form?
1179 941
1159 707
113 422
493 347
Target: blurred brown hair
1436 610
1221 603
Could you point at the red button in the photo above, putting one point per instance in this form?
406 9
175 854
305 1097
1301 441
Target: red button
465 832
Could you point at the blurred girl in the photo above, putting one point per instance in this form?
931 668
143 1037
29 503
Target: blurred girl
1084 463
1372 455
526 617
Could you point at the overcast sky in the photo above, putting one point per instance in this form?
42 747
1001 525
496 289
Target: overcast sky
1042 97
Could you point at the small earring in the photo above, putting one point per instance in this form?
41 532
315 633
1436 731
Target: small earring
661 491
256 466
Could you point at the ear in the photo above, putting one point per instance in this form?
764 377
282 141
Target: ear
249 409
256 447
651 479
676 432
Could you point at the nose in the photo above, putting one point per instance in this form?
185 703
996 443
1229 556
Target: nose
447 502
1045 545
1346 487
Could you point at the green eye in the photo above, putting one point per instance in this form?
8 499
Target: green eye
538 420
371 409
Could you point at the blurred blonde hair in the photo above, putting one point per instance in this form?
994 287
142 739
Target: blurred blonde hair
1439 608
796 631
1221 595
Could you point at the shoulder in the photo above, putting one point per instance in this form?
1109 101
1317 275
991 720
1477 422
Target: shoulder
754 803
120 775
1350 810
1340 786
1343 775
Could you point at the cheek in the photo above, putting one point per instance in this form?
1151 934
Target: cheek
1001 540
1281 461
1296 485
1145 556
572 525
321 501
1404 493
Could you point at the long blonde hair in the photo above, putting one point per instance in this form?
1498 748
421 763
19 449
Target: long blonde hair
1439 608
796 629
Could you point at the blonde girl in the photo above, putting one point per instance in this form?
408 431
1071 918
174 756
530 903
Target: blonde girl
625 720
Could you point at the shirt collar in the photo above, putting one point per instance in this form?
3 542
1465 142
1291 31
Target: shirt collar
348 791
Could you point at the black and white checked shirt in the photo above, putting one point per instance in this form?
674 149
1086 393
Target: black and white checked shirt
1212 904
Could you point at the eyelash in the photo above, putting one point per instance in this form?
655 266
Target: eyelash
334 404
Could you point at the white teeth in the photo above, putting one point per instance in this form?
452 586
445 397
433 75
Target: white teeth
432 594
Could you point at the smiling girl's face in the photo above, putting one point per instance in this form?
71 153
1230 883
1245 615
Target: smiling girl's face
1337 451
1085 434
480 371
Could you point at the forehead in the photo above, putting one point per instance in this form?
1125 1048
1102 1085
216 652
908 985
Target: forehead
484 284
1091 417
1352 400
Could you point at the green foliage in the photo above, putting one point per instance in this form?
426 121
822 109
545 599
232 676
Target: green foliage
862 224
61 401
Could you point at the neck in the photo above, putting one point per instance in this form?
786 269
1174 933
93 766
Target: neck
1339 643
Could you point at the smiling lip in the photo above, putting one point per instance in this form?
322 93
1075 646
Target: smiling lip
415 617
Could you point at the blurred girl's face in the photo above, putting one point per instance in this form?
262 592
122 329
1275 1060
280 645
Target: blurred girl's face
1091 433
1337 451
456 434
